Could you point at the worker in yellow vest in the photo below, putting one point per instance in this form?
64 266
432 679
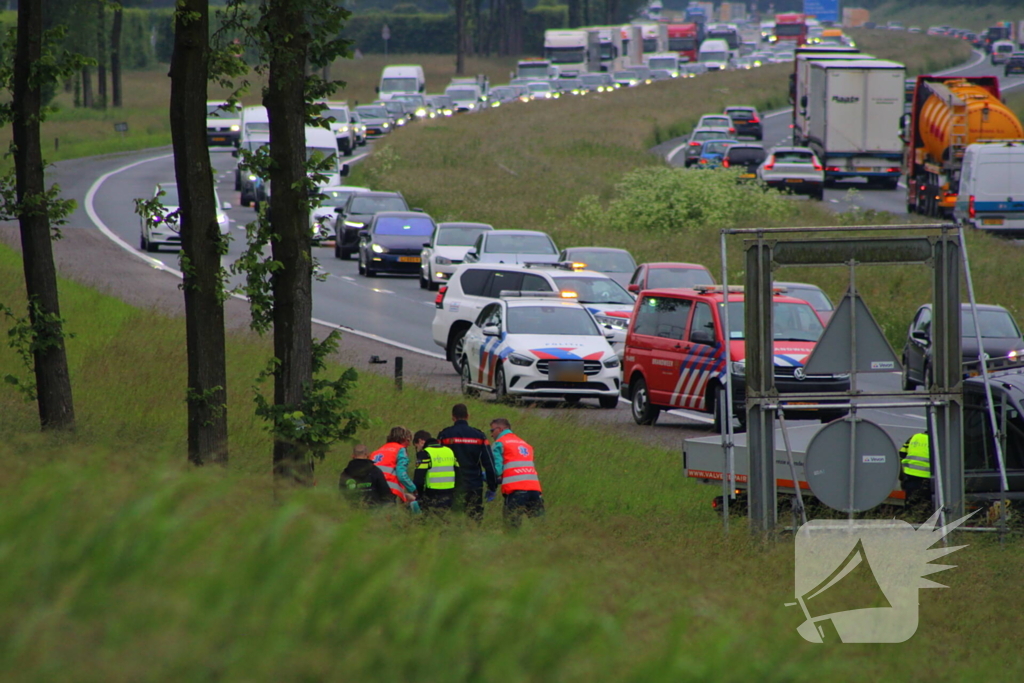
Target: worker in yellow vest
916 474
434 475
520 485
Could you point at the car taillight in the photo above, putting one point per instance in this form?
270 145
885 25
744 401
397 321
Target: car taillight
832 169
970 206
725 163
732 130
694 143
439 299
894 169
817 166
770 164
755 120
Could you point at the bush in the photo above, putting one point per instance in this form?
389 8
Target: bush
681 201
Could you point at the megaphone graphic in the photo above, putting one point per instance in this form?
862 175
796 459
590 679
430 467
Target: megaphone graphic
850 586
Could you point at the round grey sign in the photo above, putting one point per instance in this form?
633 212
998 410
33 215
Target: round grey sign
876 465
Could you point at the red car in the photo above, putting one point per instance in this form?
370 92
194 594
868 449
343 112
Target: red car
669 275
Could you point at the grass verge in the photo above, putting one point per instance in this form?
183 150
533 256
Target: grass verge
976 17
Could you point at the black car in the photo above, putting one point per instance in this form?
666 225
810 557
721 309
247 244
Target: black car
1000 336
356 215
393 241
745 157
746 121
981 466
1015 64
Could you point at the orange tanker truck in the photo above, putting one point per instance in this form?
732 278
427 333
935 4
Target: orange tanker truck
947 114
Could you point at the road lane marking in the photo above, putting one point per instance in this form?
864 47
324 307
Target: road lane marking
90 210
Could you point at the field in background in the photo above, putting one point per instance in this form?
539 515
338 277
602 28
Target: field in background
957 15
121 563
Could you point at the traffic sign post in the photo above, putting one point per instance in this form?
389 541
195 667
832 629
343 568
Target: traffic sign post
385 33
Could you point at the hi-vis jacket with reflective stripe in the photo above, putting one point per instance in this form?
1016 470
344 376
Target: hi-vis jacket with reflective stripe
916 459
440 465
513 458
386 458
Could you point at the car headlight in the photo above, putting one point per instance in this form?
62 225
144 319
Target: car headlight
344 129
739 368
612 362
252 177
235 129
354 224
472 105
317 225
421 112
385 125
377 249
519 359
612 321
442 261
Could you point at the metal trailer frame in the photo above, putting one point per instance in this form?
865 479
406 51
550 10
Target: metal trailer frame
943 253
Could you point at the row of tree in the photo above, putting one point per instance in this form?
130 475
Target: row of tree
293 40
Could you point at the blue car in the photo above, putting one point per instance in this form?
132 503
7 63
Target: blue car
393 241
712 152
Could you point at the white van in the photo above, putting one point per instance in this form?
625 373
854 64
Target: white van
1001 51
406 79
991 194
323 141
255 123
342 125
714 54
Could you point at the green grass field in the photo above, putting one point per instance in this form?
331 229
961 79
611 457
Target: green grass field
976 17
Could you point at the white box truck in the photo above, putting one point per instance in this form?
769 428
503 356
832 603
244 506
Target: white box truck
854 109
613 56
401 79
568 50
801 80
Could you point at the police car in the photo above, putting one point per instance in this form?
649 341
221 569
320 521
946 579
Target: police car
530 345
475 285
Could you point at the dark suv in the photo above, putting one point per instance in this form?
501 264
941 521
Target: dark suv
1015 64
981 475
357 214
746 121
745 157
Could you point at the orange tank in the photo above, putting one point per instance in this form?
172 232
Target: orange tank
987 119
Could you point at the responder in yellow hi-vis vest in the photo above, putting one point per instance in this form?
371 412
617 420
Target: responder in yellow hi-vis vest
916 472
435 473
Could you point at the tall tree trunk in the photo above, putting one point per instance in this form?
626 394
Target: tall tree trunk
53 383
460 37
200 236
86 87
115 57
101 54
289 215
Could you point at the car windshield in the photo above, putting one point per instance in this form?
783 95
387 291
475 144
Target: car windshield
994 324
605 261
713 57
375 204
746 155
398 85
395 107
716 147
340 115
569 83
540 87
335 197
519 244
170 197
702 135
716 122
458 237
533 70
502 93
815 297
550 320
793 322
794 157
595 290
623 75
789 29
323 152
412 226
565 55
594 80
658 278
217 111
740 114
462 95
418 100
374 112
257 127
662 63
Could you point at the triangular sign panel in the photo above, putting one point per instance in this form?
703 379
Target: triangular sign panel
832 353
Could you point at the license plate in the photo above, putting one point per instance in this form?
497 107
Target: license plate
373 131
991 221
219 139
865 168
409 259
567 371
747 175
794 180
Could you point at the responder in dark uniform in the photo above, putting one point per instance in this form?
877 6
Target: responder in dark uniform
474 463
434 475
916 473
363 482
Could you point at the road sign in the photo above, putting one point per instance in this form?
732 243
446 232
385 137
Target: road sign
832 354
385 32
822 10
121 127
875 468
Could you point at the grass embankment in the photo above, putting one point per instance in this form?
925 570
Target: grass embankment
529 166
86 132
121 563
957 15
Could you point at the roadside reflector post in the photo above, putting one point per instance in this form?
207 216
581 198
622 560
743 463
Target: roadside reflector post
398 372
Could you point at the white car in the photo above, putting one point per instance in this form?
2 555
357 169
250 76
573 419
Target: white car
717 122
543 91
341 126
223 124
795 169
323 217
446 250
164 228
475 285
539 347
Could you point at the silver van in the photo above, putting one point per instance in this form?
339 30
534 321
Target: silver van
991 195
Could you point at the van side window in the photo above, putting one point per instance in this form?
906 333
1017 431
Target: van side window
704 323
647 317
473 281
534 283
503 280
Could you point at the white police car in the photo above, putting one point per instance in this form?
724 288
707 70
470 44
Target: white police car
536 346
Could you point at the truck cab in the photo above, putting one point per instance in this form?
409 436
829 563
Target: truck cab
401 79
790 27
568 51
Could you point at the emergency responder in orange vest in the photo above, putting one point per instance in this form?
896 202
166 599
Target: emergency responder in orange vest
513 461
475 464
393 461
